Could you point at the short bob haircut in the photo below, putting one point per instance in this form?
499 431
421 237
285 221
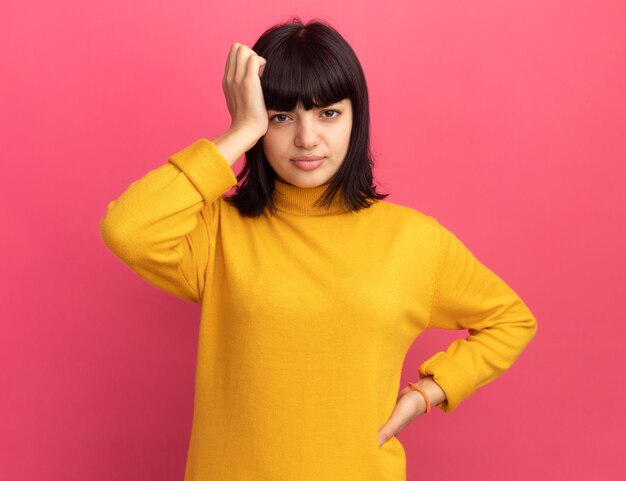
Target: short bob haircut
312 63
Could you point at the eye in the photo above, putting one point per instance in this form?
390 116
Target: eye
279 118
277 115
331 110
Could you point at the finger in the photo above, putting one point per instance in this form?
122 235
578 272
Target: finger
384 435
243 53
404 412
252 66
229 71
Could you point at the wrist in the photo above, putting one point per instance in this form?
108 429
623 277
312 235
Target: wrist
247 131
235 142
424 404
434 392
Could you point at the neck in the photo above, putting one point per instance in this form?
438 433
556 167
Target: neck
301 200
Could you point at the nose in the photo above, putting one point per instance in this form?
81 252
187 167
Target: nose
306 135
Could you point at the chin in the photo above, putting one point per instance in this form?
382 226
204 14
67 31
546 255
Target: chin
309 181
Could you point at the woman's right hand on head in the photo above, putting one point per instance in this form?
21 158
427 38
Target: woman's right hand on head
243 92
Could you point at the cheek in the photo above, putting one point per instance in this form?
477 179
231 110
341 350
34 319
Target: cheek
345 136
273 142
274 148
269 144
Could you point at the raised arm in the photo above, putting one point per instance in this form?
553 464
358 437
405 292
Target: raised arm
468 295
163 225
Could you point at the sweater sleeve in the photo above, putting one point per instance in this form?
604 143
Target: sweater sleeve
163 225
468 295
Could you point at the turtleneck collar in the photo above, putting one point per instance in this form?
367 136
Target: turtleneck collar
299 200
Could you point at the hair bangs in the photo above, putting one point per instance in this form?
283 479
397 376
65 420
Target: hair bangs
309 75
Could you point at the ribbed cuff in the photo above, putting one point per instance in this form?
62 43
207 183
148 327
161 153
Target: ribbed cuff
451 376
206 168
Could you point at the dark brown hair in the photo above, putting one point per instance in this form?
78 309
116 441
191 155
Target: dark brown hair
314 64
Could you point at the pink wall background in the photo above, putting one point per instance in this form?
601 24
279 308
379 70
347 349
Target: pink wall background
505 120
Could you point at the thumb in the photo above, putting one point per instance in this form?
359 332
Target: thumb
385 434
403 413
390 429
262 66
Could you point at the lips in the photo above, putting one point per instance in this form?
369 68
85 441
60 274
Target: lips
308 158
308 162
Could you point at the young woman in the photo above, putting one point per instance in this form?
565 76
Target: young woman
312 286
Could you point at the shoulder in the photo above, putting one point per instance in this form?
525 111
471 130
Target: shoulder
402 214
405 222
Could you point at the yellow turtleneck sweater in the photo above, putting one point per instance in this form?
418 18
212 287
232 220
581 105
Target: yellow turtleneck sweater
306 318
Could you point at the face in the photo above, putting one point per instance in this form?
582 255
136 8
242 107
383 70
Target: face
320 132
